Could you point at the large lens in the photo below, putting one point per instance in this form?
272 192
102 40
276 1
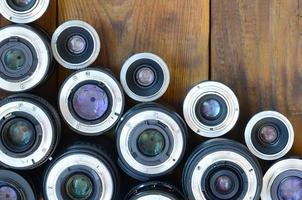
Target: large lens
222 169
146 141
20 133
8 193
14 59
30 131
283 181
145 77
151 142
79 187
23 11
75 44
90 102
82 172
25 58
211 109
269 135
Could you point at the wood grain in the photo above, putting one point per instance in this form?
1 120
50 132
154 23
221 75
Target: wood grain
256 50
178 31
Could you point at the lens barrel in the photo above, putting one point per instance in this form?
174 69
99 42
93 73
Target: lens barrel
222 169
23 11
83 171
154 190
145 77
91 101
151 141
30 131
211 109
26 58
75 44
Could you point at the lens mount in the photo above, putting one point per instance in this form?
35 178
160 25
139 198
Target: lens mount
37 58
276 174
154 190
222 158
75 44
15 185
111 87
42 117
82 159
135 123
281 142
221 95
23 15
153 72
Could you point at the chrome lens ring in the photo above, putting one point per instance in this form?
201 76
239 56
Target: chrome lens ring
131 159
42 52
209 156
160 71
24 16
285 133
276 170
154 190
48 127
82 59
109 83
219 90
19 187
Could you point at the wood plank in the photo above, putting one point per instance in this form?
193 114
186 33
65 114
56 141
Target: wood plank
256 49
47 22
178 31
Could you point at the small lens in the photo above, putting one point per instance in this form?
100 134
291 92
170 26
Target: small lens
8 193
291 189
22 3
79 187
211 109
145 76
151 143
20 133
224 184
268 134
90 102
14 59
76 44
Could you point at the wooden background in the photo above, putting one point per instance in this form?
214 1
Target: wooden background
253 46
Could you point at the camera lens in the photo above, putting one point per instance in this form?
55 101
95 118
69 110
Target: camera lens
145 77
91 101
222 169
283 181
25 58
15 187
154 190
75 44
211 109
30 130
83 171
151 141
269 135
23 11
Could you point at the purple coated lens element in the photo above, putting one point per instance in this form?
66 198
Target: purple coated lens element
224 184
211 109
291 189
8 193
90 102
268 134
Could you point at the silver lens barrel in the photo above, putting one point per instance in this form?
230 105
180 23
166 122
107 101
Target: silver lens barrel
75 44
102 81
145 77
23 13
34 59
283 180
269 135
211 109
